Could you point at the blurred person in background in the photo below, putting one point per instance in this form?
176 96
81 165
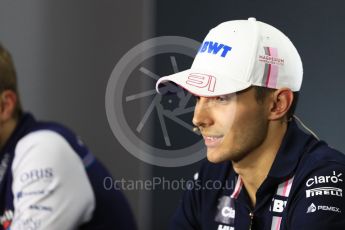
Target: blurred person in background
49 179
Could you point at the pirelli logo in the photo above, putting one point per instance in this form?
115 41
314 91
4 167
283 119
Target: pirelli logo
324 191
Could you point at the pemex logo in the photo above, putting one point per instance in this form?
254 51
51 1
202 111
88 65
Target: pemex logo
311 208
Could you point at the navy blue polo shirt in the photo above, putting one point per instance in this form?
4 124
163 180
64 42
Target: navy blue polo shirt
309 169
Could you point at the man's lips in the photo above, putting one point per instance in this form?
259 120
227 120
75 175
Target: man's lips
212 141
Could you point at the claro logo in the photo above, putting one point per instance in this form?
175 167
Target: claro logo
228 212
324 179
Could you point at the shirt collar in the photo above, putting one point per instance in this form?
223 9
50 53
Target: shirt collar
25 123
293 146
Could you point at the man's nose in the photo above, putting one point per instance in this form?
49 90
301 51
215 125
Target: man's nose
202 116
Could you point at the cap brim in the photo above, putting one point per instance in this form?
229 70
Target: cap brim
201 83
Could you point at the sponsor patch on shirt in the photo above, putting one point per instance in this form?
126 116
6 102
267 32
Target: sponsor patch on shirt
225 227
315 208
328 179
324 191
226 211
34 175
40 192
278 205
332 180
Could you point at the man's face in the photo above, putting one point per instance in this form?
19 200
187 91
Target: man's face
232 125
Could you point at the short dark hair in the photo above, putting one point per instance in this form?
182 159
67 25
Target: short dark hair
263 92
8 78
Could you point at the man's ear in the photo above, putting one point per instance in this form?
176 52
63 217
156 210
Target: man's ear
280 103
8 101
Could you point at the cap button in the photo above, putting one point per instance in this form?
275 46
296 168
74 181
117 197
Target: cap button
252 19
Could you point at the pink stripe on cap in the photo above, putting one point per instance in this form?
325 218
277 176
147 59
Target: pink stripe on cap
273 73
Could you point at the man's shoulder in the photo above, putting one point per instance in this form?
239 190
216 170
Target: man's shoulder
317 192
321 157
324 153
320 161
29 129
41 137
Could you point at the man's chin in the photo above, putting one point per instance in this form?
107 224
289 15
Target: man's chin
215 156
221 155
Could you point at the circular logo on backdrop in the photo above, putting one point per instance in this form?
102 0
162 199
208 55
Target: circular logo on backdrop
155 128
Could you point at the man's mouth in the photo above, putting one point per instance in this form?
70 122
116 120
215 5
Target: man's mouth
212 141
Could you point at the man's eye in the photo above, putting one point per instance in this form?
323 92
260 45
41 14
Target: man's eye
222 98
225 98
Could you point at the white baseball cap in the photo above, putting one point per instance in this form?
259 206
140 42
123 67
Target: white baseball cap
238 54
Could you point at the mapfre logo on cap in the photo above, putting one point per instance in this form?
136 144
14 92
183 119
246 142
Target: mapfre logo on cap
271 57
202 81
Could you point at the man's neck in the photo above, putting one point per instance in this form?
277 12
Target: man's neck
254 168
6 131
